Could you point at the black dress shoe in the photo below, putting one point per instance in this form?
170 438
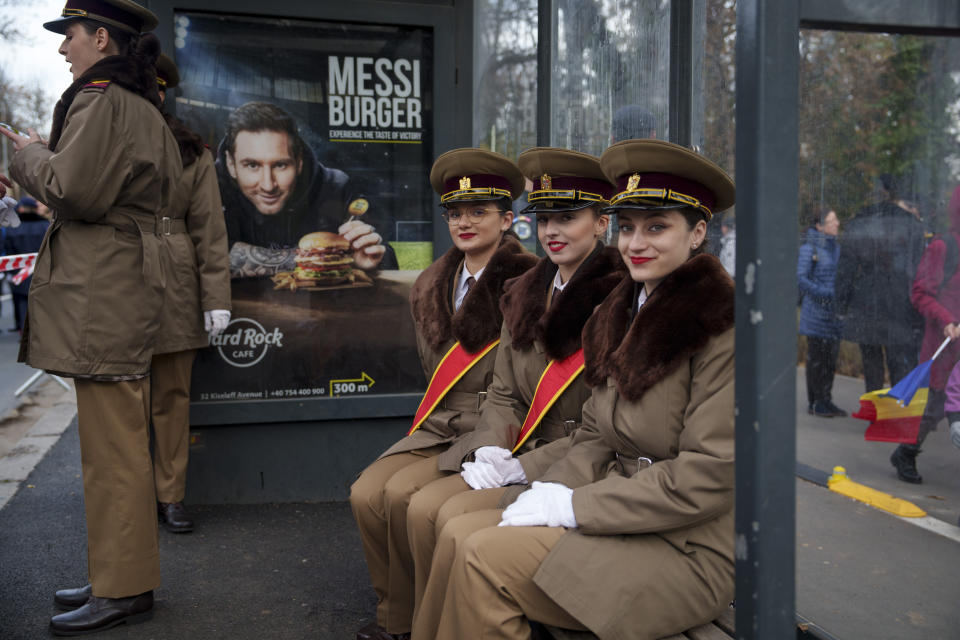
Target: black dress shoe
103 613
174 517
67 599
371 631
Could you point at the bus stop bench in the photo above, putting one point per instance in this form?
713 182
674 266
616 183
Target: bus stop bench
720 629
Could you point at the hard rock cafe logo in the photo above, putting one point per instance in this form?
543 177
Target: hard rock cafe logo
245 342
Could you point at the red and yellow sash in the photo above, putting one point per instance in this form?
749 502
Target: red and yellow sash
554 380
452 367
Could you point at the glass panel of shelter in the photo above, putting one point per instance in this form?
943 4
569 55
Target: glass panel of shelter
878 125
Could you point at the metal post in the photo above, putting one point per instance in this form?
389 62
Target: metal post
546 40
766 173
681 72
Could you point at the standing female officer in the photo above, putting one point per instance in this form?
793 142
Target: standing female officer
196 307
537 392
107 171
455 304
630 535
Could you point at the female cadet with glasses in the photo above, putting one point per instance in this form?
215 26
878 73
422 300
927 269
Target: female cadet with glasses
630 534
455 304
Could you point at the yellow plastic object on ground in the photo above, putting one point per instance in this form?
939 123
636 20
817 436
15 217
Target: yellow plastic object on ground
842 484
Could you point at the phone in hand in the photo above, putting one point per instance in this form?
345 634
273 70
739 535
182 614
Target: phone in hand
14 130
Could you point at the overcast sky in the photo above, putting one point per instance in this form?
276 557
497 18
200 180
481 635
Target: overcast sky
36 61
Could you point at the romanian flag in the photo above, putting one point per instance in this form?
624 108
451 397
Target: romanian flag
895 413
889 420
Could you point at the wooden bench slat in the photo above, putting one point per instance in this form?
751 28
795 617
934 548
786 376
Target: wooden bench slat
727 621
707 632
569 634
720 629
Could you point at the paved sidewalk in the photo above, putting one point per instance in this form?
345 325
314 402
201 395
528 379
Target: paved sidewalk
291 571
12 373
296 571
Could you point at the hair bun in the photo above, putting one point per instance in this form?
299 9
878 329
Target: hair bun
149 47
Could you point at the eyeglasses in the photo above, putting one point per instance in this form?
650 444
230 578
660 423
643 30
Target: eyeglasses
453 217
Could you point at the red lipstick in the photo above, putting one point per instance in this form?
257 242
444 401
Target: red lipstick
639 259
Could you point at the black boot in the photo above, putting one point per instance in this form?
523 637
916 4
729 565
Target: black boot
904 458
67 599
103 613
174 517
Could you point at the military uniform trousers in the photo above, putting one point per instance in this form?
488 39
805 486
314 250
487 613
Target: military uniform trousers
122 552
481 583
170 411
379 499
430 509
490 593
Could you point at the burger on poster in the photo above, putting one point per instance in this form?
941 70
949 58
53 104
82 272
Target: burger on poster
324 259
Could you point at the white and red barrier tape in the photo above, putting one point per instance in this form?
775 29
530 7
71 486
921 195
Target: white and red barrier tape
22 264
14 263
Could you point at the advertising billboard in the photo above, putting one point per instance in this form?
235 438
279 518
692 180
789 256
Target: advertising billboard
322 133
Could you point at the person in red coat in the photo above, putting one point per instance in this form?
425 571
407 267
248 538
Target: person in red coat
936 295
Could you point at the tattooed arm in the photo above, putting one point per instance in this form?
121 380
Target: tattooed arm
250 261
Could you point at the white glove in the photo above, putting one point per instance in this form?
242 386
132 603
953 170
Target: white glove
955 432
8 212
494 467
547 504
214 322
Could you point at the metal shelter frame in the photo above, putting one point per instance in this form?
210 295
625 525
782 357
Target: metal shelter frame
766 323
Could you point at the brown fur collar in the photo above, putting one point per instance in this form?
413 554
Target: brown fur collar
558 328
478 320
127 71
690 306
191 145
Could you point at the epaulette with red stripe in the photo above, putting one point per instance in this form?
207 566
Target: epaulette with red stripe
96 85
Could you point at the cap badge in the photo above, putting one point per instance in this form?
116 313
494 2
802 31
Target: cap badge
545 182
633 183
465 182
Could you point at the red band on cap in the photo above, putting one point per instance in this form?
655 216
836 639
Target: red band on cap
104 10
575 183
669 181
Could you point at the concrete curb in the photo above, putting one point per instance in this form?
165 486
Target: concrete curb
32 447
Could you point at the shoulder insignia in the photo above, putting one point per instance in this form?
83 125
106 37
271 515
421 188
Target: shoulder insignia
96 85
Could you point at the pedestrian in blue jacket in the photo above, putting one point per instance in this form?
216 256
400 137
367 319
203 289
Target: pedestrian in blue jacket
816 273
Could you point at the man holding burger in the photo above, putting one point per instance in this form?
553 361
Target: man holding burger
275 192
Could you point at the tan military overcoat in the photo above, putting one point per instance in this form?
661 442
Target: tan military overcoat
94 306
659 538
195 262
533 334
475 324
